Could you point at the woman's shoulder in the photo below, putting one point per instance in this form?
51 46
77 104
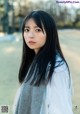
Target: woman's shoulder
60 65
61 71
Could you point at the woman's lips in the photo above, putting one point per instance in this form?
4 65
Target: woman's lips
32 42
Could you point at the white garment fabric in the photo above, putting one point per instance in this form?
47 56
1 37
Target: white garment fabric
58 96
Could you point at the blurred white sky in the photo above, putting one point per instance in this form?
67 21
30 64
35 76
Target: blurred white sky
69 4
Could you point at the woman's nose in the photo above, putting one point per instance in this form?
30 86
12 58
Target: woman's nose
31 34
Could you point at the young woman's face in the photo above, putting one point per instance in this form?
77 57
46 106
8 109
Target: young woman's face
34 37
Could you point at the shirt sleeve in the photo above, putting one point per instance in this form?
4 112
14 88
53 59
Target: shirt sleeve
58 97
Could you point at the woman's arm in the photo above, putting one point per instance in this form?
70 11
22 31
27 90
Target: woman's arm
58 99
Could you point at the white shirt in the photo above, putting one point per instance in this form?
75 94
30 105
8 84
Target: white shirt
57 98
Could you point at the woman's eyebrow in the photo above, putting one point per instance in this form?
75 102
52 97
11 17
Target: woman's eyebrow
26 27
29 27
36 27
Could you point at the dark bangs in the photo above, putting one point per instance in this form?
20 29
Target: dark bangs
37 19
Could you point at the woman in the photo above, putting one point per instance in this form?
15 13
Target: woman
44 74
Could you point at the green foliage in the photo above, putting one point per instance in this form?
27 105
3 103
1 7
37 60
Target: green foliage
60 24
77 25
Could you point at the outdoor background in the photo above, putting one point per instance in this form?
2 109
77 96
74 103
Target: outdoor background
12 13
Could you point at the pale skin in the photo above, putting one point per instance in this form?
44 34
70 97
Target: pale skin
34 37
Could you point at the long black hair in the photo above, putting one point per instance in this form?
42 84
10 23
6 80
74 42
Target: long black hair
37 63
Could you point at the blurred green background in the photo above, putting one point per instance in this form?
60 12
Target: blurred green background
12 13
68 24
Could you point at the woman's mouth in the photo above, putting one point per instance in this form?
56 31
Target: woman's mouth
32 42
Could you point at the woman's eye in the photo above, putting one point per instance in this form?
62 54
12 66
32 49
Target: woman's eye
26 30
38 30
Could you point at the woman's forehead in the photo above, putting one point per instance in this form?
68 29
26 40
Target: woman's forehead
35 23
30 22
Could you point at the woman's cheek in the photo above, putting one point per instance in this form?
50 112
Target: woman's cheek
25 36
